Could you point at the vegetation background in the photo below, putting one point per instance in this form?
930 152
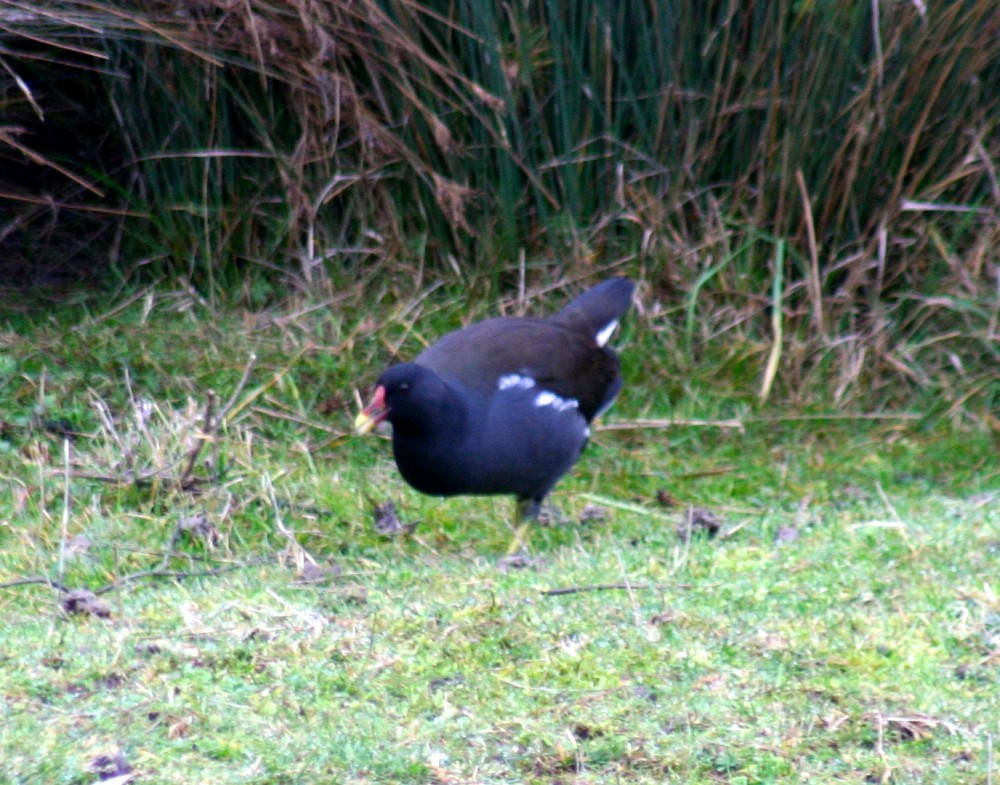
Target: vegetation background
219 220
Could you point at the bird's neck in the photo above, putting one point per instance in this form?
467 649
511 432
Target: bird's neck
444 418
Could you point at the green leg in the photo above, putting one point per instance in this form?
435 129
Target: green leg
527 510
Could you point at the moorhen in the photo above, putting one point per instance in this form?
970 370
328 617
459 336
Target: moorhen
503 406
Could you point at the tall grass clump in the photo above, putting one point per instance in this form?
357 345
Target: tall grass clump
521 123
853 144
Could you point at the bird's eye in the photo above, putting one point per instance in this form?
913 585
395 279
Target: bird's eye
404 387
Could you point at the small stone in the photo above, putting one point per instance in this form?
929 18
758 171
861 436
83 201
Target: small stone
786 534
594 513
515 561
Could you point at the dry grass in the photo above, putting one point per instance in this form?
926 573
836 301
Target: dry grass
807 196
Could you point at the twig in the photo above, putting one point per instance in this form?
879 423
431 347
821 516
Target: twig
108 422
714 472
299 420
132 577
981 500
730 532
813 283
64 532
240 385
629 587
140 481
861 416
200 439
233 405
627 506
142 411
740 424
885 500
35 581
892 525
142 293
176 574
669 422
777 324
7 136
520 282
169 551
299 553
636 610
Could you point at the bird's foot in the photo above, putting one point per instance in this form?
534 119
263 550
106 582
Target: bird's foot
552 516
522 540
527 509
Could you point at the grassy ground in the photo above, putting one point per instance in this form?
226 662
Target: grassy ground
253 626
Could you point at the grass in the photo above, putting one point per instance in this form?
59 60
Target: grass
843 627
805 192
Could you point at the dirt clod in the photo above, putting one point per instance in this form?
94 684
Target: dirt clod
698 520
85 602
387 522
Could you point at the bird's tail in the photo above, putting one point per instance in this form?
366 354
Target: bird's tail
599 308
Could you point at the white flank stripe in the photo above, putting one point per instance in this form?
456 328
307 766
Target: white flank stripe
546 398
605 333
515 380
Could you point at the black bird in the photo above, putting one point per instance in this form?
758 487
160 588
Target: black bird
503 406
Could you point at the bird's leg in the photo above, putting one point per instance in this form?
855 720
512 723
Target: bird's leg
527 510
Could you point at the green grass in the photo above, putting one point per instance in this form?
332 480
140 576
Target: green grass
844 628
